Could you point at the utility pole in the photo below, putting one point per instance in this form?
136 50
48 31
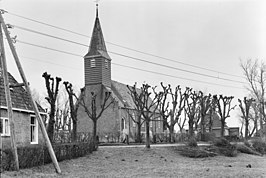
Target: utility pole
8 102
26 84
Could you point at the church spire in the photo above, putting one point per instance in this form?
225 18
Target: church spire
97 10
97 63
97 44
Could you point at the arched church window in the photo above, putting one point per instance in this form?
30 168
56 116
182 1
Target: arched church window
93 63
123 124
133 118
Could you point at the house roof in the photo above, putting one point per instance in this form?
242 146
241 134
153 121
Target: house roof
97 44
19 97
121 93
216 122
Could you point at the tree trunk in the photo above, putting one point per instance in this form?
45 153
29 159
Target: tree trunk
256 124
203 128
74 131
50 127
94 135
171 134
261 120
210 124
148 134
222 127
139 133
246 128
190 129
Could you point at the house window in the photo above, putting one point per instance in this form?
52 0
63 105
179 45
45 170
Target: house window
33 130
93 63
106 63
4 127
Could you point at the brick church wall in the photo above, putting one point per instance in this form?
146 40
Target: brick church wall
109 120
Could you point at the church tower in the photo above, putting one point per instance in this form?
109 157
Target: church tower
97 63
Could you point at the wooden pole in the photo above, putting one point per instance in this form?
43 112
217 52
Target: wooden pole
1 147
0 142
8 102
35 108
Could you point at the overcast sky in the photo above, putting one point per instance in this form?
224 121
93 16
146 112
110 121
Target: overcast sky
209 37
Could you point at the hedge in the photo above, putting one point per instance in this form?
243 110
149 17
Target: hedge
36 155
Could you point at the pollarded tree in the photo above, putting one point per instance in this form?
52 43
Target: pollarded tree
164 105
92 109
177 99
223 104
73 109
191 109
245 107
135 116
147 106
205 104
62 119
255 116
52 90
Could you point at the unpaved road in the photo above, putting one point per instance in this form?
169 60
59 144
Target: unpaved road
156 162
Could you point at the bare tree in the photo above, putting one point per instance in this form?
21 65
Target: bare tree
177 99
223 104
135 116
212 111
73 109
245 107
147 106
255 75
191 109
181 123
91 109
255 116
62 117
205 103
52 90
164 106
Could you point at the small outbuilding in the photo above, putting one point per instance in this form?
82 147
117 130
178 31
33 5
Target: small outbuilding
27 131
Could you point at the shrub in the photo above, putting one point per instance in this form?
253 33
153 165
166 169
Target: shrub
246 149
38 155
229 150
209 136
247 143
259 145
6 161
195 152
221 142
192 142
232 138
223 146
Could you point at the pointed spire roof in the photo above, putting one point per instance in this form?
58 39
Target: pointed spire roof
97 44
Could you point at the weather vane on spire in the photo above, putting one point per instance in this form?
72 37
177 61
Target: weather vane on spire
97 3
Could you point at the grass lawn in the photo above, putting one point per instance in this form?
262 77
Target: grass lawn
156 162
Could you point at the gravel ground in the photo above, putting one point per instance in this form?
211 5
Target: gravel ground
156 162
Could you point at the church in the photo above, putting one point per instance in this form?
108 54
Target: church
115 120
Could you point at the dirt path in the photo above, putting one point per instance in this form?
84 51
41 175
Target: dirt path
156 162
